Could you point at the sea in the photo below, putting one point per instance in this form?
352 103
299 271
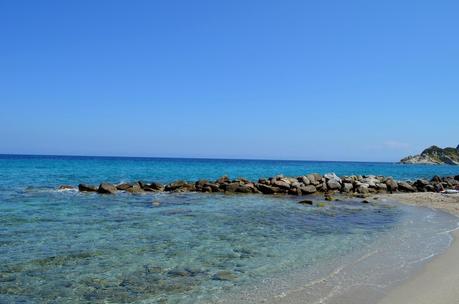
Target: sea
69 247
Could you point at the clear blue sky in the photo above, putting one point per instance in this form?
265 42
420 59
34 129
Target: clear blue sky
321 80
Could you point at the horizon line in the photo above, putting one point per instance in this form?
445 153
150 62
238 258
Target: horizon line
195 158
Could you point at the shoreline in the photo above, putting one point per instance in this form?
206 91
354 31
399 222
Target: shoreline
437 280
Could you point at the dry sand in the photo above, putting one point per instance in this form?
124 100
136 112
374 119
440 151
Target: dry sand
438 281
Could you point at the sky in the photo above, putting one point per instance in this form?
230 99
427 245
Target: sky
295 79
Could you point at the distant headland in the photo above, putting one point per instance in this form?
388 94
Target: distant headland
434 156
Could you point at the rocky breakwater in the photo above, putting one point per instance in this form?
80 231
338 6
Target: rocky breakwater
314 183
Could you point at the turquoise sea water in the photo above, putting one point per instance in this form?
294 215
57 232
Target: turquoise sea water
71 247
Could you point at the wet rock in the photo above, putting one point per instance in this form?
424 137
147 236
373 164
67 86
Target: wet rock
87 188
365 202
106 188
224 276
306 202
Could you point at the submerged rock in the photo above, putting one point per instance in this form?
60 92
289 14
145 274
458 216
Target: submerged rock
224 276
306 202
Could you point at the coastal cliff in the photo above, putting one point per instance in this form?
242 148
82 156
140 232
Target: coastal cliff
434 155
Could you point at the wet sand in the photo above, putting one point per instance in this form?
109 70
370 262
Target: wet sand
438 281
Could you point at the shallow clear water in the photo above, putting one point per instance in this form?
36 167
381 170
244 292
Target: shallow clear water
70 247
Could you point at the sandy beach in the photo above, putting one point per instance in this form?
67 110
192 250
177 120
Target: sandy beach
438 281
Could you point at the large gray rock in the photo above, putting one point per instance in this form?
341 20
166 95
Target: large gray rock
333 184
309 189
106 188
332 176
87 188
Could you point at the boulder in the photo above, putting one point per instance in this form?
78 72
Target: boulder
348 187
231 187
266 189
405 187
391 185
123 186
304 180
332 176
314 178
363 188
243 189
178 186
201 183
87 188
381 187
283 184
420 184
309 189
333 184
153 187
429 188
106 188
135 188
